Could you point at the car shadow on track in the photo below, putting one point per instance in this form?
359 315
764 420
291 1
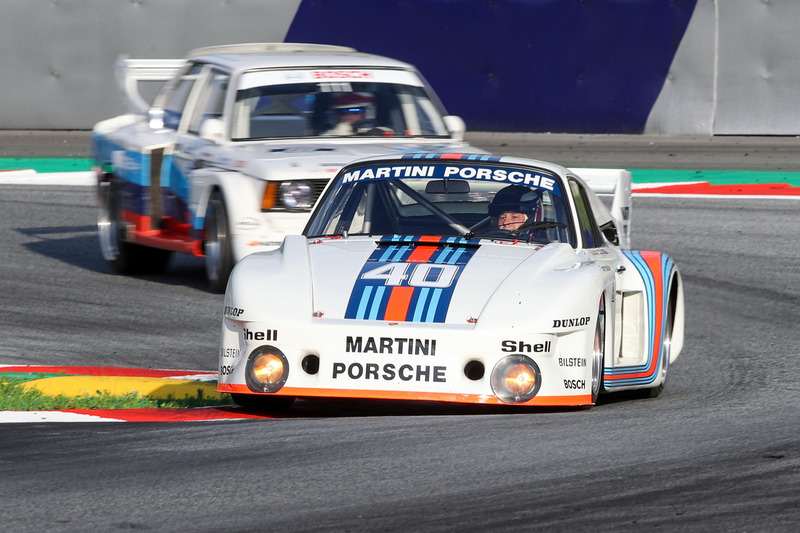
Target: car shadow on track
77 246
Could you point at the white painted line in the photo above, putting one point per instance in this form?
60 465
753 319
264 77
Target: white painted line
49 416
31 177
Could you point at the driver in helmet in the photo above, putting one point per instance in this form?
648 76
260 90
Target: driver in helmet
350 109
514 206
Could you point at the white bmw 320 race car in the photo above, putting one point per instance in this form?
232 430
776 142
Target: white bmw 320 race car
455 277
239 143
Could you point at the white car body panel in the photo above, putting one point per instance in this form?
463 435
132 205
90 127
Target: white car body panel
312 300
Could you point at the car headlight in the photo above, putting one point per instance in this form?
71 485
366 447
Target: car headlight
267 369
296 194
515 379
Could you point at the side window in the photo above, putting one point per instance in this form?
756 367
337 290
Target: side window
173 109
211 100
588 229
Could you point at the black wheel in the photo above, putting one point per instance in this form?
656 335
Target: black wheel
122 256
666 349
262 401
599 351
217 243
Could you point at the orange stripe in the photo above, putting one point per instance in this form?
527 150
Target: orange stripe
541 401
399 299
421 254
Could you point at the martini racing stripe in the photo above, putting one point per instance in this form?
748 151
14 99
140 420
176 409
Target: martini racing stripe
465 157
410 279
655 268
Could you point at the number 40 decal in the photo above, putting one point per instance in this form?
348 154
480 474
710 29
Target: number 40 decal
414 274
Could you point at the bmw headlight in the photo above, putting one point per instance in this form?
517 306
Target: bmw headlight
516 379
267 369
296 194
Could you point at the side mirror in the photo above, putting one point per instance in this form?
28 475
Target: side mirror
455 125
609 230
155 117
212 130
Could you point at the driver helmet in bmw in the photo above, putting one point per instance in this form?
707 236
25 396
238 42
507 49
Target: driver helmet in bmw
352 103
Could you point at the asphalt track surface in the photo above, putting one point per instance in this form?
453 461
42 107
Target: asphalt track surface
719 450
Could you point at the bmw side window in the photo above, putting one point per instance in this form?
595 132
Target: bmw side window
173 110
589 232
211 101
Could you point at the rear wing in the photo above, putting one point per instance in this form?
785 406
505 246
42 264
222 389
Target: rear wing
131 74
617 184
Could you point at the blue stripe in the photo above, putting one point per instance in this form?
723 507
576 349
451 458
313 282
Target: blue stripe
362 304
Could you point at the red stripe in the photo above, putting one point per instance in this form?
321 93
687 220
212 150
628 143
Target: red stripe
421 254
102 371
752 189
399 300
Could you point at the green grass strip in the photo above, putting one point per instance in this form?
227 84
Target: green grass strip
53 164
13 397
715 177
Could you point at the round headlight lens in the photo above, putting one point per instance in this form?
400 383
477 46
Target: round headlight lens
296 194
267 369
516 379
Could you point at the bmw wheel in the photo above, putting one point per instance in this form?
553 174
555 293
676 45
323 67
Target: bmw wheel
217 243
122 256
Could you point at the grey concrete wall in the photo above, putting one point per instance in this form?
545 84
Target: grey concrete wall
57 56
737 72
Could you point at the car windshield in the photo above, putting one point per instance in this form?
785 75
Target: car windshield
335 109
444 199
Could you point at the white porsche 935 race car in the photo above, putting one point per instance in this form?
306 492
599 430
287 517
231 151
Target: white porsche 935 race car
239 143
457 278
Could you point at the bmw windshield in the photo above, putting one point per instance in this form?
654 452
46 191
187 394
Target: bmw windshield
366 103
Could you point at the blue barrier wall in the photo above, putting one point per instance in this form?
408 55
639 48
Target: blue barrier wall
581 66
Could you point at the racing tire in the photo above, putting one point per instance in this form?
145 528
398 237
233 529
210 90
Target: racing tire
599 352
666 350
217 244
122 256
262 402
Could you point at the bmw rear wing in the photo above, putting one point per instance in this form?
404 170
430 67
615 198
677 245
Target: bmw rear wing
617 184
132 73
